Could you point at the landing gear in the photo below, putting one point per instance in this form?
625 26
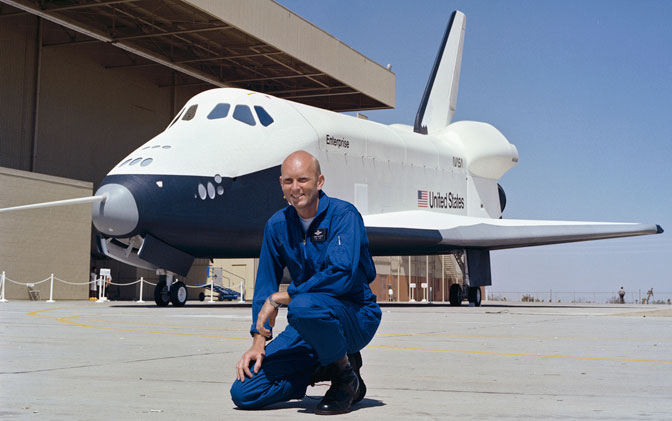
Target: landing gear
161 294
455 295
465 290
167 291
475 296
178 294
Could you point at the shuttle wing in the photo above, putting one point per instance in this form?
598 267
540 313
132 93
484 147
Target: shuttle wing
432 232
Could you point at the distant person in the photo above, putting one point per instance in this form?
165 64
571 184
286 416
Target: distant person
331 310
621 296
649 295
92 284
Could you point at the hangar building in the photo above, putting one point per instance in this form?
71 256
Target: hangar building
82 82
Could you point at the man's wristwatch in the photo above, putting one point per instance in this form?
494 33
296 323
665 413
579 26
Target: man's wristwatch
273 303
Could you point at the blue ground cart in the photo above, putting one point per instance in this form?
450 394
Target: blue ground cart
224 293
214 282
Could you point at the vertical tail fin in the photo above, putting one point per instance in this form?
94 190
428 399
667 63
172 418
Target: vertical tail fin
440 98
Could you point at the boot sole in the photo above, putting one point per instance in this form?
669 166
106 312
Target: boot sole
319 412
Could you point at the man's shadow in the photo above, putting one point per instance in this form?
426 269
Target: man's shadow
308 403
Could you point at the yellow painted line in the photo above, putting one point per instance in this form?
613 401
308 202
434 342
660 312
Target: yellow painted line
152 324
197 335
550 338
36 313
511 354
70 322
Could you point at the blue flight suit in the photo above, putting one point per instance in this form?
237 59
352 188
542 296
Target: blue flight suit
332 312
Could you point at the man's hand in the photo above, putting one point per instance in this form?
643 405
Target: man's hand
255 353
267 312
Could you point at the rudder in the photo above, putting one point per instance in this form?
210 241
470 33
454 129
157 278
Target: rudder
440 98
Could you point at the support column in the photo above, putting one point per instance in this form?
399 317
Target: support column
36 98
398 277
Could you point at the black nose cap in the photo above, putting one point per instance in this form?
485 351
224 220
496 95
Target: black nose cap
118 214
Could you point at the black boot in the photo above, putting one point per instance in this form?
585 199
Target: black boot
325 373
356 363
344 389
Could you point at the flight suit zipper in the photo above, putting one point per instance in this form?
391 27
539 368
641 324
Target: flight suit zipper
303 249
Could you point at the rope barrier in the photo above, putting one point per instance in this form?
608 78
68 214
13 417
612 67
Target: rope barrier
28 283
99 282
123 285
73 283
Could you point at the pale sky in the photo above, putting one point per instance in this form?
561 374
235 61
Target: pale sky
584 91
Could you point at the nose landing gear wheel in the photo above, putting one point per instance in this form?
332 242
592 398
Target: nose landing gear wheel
475 296
455 295
178 294
161 297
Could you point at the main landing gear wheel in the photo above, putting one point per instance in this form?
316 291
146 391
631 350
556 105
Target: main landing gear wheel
455 295
178 294
161 297
201 296
475 296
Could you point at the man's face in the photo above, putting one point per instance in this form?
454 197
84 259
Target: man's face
301 185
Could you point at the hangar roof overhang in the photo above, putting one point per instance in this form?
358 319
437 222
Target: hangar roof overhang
254 44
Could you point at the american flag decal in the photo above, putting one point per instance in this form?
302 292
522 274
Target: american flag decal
422 199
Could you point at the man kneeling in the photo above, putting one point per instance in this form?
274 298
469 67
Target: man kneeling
332 312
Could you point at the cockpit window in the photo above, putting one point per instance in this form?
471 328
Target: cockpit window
220 111
242 113
264 118
191 112
177 117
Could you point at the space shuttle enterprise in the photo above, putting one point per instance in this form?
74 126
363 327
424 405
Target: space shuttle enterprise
205 186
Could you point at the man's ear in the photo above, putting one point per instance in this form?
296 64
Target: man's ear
320 182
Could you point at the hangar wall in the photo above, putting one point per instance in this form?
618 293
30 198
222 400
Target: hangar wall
79 117
438 272
88 117
17 89
35 230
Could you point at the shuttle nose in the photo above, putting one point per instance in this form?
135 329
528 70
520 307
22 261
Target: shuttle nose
118 214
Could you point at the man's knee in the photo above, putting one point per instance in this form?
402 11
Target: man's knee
244 396
307 305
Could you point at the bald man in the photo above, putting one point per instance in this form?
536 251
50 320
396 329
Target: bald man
332 312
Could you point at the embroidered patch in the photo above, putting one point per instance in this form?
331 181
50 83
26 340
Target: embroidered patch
320 235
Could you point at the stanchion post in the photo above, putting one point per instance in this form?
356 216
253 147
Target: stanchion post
51 290
212 290
101 293
242 292
2 297
142 281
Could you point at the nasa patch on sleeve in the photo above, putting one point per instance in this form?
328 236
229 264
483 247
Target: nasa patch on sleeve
320 235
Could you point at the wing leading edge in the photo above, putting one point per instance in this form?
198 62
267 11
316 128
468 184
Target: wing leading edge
424 232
